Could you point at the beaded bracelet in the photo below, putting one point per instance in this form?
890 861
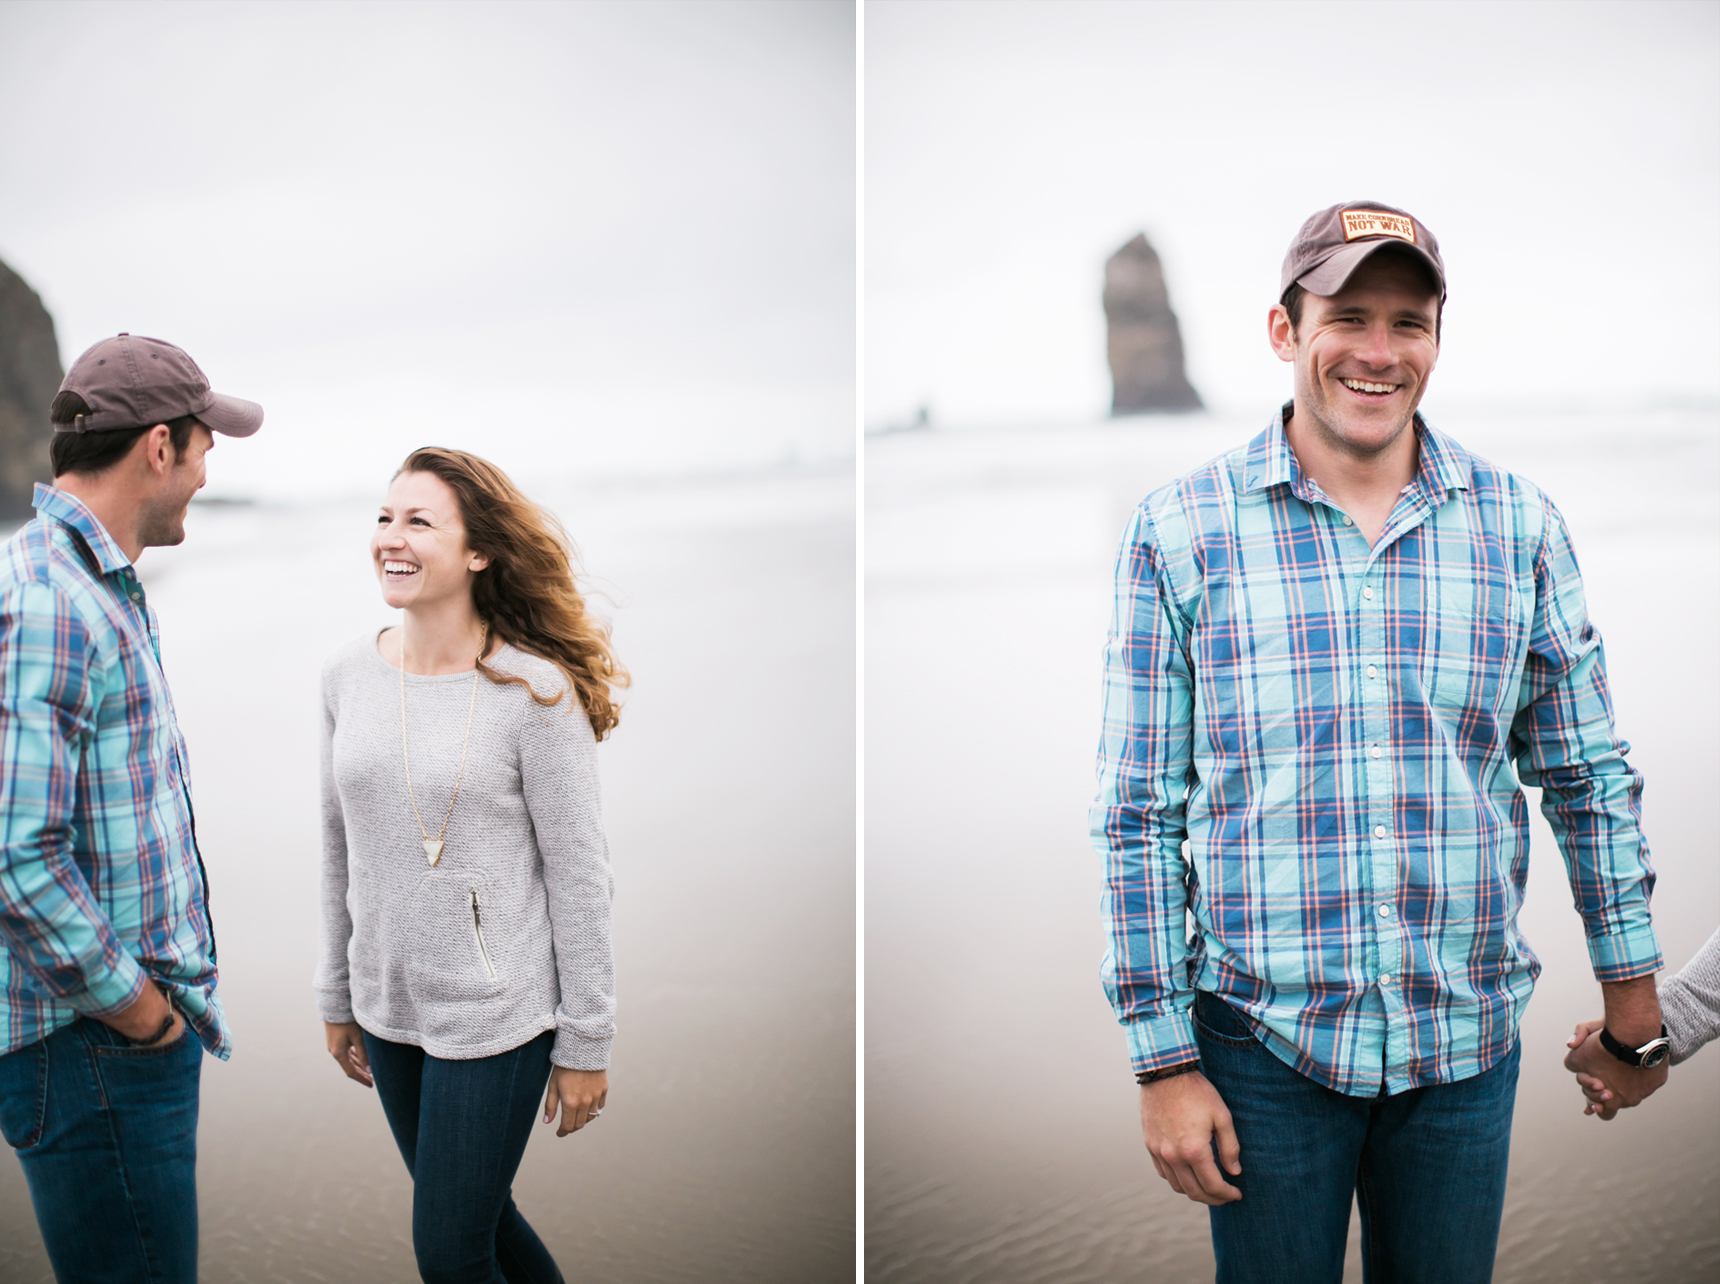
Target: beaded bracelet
1169 1072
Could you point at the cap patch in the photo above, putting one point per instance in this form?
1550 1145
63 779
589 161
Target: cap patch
1375 223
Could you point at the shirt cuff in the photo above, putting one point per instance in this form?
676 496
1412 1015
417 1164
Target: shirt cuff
335 1006
114 992
1623 956
575 1052
1156 1043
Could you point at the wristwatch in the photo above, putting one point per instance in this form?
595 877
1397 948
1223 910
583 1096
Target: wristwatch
1649 1055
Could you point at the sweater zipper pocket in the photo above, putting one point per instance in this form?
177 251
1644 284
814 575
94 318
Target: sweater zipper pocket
478 931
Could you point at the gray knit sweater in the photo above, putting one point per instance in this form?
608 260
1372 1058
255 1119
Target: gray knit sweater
508 936
1690 1001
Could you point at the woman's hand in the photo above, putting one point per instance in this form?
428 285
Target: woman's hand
346 1046
581 1094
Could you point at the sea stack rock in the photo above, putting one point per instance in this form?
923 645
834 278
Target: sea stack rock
1144 344
30 375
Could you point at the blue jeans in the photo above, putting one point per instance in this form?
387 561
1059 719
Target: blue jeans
1426 1167
462 1128
107 1136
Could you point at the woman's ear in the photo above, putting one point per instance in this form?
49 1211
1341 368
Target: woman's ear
478 562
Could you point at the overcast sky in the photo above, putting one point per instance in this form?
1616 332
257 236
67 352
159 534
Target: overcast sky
1566 155
574 237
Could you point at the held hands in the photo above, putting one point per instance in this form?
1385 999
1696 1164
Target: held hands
1608 1083
1180 1117
346 1046
580 1093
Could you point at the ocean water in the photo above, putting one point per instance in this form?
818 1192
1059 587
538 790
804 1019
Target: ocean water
727 1150
1002 1140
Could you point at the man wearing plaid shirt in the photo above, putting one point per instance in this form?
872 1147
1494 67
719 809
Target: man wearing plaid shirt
107 979
1335 654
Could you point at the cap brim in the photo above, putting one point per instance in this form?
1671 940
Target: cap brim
232 416
1329 277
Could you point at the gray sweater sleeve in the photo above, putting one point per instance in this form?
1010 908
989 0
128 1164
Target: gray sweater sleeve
1690 1001
558 771
334 996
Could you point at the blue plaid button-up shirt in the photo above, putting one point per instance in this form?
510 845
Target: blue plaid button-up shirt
101 884
1309 771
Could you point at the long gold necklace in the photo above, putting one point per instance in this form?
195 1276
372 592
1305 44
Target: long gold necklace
433 846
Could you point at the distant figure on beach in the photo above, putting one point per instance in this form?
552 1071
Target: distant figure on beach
1335 652
1690 1002
108 998
465 946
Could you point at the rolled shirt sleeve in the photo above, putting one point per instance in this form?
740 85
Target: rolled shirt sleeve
333 980
558 770
54 928
1138 819
1690 1002
1564 743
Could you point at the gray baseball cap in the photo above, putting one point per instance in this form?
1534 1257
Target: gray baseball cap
1340 238
131 381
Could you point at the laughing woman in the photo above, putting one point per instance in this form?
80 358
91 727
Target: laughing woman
465 877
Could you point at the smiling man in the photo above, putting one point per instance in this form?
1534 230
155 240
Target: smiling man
107 979
1335 653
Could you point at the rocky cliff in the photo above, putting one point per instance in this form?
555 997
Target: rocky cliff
1144 344
30 375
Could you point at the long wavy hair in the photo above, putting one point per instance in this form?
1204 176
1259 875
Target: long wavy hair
529 593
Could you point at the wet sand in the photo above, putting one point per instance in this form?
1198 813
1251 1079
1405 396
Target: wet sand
1002 1140
727 1151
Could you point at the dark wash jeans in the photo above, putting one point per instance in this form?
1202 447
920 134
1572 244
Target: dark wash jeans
462 1127
107 1136
1427 1169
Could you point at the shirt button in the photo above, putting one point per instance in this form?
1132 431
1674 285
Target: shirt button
137 597
1373 672
1385 911
1379 831
1385 980
1374 752
1368 593
1348 520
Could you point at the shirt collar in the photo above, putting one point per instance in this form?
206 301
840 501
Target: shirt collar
70 511
1270 460
1444 466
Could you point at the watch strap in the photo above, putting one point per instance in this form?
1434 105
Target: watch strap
1623 1052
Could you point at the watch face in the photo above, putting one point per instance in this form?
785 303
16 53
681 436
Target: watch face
1657 1053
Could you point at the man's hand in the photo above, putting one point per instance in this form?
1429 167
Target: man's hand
579 1093
346 1046
1180 1117
144 1017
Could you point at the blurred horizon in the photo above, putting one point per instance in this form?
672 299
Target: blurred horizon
1568 168
579 239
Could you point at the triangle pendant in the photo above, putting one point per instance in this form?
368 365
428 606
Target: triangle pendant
432 850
